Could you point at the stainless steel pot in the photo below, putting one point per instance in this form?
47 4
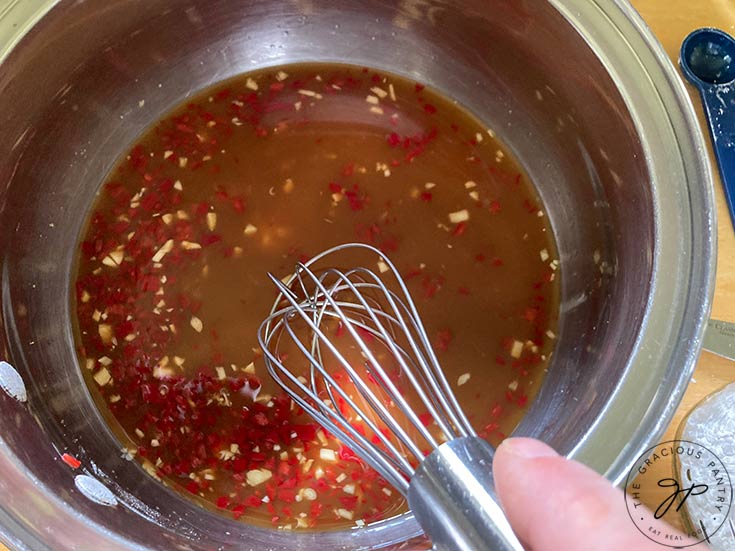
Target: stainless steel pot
577 88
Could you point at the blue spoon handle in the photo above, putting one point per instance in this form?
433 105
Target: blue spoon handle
719 103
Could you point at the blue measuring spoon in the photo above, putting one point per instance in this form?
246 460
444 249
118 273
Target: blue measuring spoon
707 60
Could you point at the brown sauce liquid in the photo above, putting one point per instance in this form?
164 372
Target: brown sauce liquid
252 176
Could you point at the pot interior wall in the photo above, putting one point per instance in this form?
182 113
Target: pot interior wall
69 98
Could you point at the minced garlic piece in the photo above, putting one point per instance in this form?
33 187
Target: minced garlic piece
113 259
166 248
105 331
516 349
344 513
459 216
327 454
211 220
463 379
258 476
102 377
379 92
197 324
190 245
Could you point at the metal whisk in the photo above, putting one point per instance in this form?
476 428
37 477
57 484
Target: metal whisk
323 317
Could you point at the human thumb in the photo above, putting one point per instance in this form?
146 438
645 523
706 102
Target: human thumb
556 504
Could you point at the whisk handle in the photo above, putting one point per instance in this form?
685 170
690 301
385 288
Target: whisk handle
452 495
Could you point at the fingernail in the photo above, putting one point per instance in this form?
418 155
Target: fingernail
527 448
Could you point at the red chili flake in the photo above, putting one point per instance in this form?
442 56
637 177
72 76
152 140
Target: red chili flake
348 502
426 419
222 502
426 196
496 411
412 273
497 261
305 433
494 207
500 360
335 188
277 86
149 283
464 290
201 208
443 340
419 87
366 335
254 501
522 400
238 203
530 314
72 461
509 395
346 454
260 419
480 257
356 199
389 244
393 139
209 239
459 229
431 285
348 169
429 108
530 207
491 427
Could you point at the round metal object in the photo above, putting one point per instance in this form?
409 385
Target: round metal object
604 128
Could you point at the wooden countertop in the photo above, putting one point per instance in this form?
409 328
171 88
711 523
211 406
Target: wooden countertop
671 21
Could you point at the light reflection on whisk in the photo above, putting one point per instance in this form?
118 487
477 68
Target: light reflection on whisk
369 310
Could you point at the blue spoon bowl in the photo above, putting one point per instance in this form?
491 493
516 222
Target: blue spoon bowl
707 60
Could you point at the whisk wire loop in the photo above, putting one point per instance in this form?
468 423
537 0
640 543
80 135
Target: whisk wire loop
368 310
